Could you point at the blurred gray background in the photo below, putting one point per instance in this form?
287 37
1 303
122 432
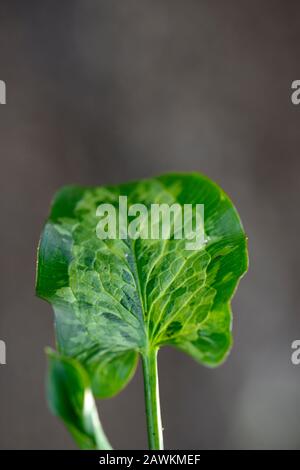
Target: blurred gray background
103 91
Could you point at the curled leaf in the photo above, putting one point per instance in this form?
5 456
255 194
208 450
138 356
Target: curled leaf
70 397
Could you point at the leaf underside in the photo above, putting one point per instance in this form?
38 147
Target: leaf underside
114 298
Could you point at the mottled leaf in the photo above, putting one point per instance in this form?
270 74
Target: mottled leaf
115 298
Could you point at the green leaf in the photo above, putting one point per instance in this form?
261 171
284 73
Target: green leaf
114 299
70 397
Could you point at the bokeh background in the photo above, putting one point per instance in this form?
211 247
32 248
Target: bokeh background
103 91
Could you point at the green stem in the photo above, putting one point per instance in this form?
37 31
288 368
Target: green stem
152 403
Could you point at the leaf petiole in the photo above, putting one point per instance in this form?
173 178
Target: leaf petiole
152 402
